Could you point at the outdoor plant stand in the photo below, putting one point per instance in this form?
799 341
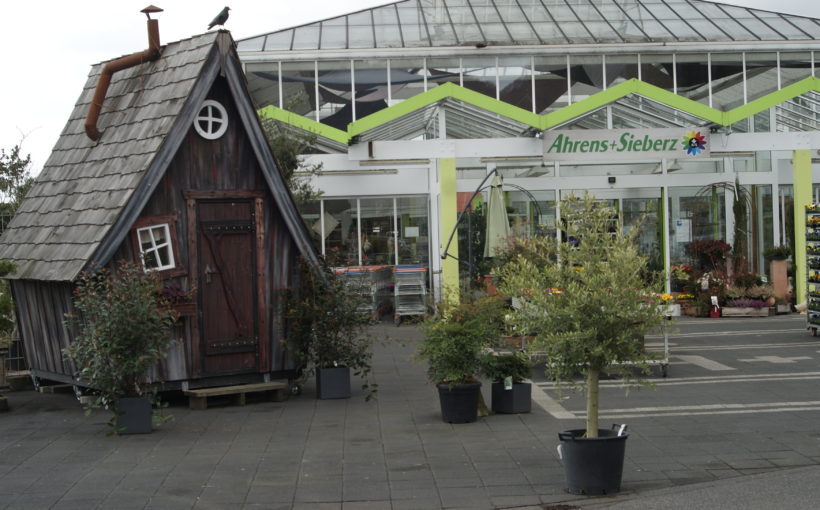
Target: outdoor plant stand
459 402
133 415
517 399
593 466
333 382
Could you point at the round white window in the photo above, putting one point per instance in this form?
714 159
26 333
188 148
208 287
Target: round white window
212 120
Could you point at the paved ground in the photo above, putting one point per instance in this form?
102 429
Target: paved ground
735 425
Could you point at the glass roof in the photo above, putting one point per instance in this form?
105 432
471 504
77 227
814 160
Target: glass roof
430 23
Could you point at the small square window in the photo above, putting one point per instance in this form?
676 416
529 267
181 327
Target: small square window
156 250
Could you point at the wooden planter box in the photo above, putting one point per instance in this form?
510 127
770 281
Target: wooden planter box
747 311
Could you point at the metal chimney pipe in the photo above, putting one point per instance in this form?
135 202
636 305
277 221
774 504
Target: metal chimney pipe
151 54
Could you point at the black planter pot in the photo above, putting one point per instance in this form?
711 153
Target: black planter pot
593 465
134 415
515 400
459 403
333 382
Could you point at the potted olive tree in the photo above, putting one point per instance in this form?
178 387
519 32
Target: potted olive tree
589 309
328 331
508 372
125 328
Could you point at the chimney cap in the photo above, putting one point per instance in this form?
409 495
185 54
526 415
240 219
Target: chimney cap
150 10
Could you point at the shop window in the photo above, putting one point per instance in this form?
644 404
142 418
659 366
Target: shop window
155 244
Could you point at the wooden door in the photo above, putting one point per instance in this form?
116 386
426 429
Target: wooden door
227 279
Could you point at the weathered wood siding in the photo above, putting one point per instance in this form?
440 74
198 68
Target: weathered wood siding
41 316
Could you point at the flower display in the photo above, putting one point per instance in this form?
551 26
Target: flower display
681 272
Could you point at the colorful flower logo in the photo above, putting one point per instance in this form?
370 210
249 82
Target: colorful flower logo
694 143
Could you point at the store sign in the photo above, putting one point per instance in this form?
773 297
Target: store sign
625 144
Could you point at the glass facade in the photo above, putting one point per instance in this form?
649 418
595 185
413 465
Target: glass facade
371 231
323 90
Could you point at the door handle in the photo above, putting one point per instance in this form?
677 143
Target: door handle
208 273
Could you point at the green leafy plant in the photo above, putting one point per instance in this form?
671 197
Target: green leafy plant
590 308
125 328
781 252
328 326
497 367
453 340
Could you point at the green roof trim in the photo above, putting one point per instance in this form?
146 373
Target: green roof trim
549 120
440 93
302 122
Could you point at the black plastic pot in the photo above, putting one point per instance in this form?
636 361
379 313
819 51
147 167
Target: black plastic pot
593 466
134 415
459 403
515 400
333 382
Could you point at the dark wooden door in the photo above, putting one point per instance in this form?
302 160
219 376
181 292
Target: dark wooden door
227 282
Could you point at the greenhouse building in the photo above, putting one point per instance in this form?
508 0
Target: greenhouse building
701 117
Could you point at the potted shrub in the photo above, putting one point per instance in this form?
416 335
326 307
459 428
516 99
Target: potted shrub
508 372
589 308
327 330
125 328
452 345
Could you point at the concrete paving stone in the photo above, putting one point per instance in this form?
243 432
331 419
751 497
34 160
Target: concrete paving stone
126 500
515 501
463 481
747 464
689 476
267 506
76 504
367 505
721 474
510 490
270 494
362 476
457 497
365 491
319 491
702 462
494 478
791 459
29 501
416 504
316 506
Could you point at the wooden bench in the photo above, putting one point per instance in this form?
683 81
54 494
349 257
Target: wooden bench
198 398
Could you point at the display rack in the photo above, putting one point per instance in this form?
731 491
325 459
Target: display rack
409 291
813 267
372 283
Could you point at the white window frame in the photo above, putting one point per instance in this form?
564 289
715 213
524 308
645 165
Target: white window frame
156 247
206 114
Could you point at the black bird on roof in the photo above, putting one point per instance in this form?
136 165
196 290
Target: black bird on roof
220 19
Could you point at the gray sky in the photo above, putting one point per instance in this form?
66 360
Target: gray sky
50 47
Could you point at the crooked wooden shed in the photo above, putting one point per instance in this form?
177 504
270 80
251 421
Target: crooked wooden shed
180 178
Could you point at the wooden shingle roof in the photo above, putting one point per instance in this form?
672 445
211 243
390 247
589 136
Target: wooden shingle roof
89 193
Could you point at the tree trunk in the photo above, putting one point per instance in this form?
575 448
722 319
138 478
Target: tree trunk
483 410
592 402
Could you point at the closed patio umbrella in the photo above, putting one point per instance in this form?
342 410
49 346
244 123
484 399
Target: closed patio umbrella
498 225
